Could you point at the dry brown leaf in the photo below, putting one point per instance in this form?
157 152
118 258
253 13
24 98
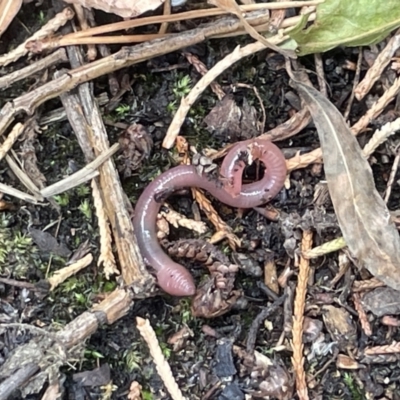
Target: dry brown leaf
362 214
8 10
123 8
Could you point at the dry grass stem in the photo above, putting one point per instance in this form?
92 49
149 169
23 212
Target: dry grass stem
298 318
11 139
392 175
381 62
106 255
18 194
52 26
61 275
362 315
83 23
319 68
232 7
162 366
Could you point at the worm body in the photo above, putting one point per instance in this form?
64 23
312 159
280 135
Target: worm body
173 278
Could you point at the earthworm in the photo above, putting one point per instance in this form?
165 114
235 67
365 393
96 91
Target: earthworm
172 277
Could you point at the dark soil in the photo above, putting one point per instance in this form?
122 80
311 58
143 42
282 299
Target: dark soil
206 363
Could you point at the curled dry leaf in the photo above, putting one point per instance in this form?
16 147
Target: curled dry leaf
123 8
362 214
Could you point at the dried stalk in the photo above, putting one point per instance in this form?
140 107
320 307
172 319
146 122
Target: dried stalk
162 366
126 57
36 351
55 58
298 319
189 15
52 26
106 255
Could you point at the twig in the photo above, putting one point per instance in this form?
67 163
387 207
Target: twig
298 318
163 368
52 26
202 69
189 15
126 57
255 325
17 379
8 10
81 17
55 58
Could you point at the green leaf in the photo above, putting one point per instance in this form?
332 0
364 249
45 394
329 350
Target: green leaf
348 23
